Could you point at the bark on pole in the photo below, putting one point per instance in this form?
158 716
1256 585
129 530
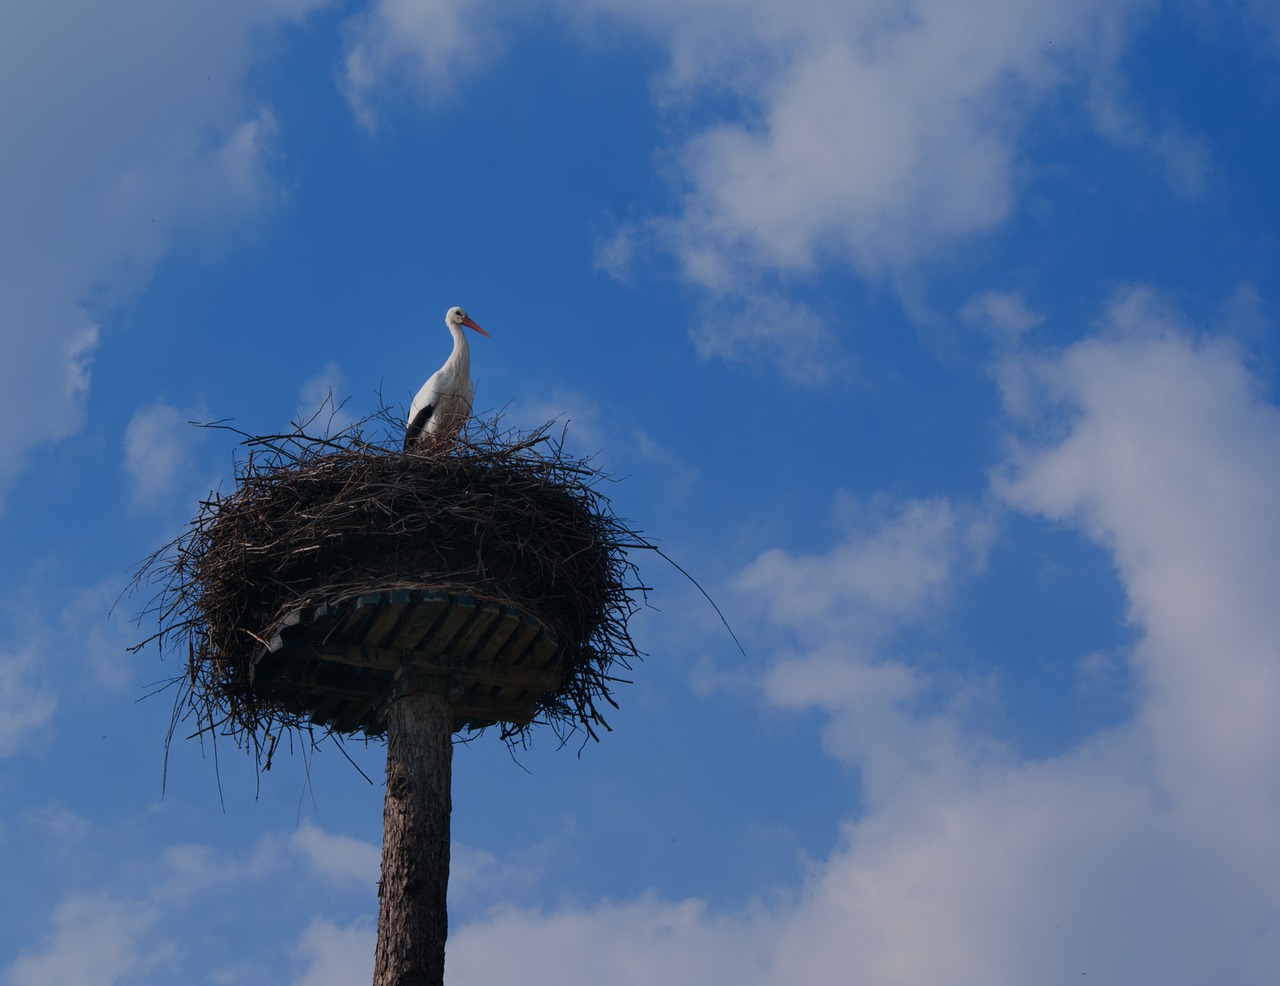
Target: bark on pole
412 917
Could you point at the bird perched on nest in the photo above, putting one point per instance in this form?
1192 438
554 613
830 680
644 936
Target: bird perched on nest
444 402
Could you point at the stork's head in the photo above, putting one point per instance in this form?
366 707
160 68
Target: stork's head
457 317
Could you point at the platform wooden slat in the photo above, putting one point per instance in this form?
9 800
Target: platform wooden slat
343 662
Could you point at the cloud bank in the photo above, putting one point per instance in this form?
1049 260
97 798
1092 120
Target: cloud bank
1143 854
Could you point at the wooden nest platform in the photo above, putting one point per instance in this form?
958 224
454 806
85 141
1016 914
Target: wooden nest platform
342 573
342 664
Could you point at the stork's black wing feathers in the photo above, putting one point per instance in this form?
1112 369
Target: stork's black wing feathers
417 426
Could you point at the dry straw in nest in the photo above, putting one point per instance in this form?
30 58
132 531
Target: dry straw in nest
498 514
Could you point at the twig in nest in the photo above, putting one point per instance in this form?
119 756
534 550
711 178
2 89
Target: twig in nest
312 519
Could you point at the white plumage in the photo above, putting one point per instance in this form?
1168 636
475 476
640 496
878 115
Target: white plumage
444 402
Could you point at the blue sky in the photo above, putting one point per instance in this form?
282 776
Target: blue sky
937 340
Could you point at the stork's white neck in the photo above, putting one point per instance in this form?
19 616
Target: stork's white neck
460 358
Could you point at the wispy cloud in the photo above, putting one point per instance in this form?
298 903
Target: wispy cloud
322 402
73 640
887 570
587 431
773 331
158 444
27 703
1004 314
132 932
576 417
426 47
1183 158
122 169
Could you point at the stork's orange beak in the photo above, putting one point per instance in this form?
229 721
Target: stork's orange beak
466 320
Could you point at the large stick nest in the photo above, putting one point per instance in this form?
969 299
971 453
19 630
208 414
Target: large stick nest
312 519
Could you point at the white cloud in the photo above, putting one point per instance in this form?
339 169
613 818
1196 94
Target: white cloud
91 626
44 376
1183 158
104 169
587 432
1001 313
56 825
890 571
322 400
335 955
191 869
572 415
628 944
769 330
858 132
1046 872
429 46
471 870
482 882
679 478
885 571
157 451
1257 20
26 703
862 135
867 133
132 933
1172 461
95 941
338 858
78 642
1145 853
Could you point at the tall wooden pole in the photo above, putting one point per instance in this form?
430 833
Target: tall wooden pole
412 917
411 663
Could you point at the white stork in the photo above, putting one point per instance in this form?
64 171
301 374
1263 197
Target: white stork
444 402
